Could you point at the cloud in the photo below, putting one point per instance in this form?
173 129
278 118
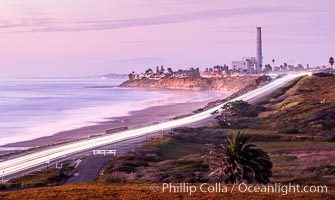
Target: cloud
27 23
57 25
142 61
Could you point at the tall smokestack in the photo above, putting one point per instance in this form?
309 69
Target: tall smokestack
259 56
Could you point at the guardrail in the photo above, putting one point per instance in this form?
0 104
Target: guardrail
104 152
117 129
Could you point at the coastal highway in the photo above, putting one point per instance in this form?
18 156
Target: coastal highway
39 158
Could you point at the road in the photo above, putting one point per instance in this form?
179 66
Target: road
28 161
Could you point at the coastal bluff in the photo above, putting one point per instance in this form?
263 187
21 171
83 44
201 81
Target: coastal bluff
229 83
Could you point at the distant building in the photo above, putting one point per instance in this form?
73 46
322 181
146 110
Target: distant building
139 76
216 71
259 55
251 64
156 76
246 64
190 73
149 74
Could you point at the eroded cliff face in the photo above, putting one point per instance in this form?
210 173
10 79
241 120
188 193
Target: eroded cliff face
219 84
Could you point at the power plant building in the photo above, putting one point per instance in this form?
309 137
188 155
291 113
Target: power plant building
247 63
251 64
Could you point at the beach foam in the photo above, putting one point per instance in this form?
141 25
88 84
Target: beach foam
43 107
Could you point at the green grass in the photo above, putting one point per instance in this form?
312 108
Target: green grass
279 92
171 148
45 177
284 147
297 108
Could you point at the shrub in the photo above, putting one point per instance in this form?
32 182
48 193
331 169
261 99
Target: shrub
330 139
322 74
290 131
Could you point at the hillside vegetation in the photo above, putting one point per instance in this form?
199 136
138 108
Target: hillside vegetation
295 125
305 106
220 84
122 192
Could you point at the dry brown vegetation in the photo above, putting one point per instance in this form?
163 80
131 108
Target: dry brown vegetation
93 191
222 84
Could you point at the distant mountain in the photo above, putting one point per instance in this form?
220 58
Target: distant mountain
113 76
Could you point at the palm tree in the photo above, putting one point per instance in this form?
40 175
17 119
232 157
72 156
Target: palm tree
236 162
331 61
170 71
273 61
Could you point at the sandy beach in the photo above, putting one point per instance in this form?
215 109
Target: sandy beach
146 116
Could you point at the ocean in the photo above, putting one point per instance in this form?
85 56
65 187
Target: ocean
33 108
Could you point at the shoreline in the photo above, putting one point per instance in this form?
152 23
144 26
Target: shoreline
146 116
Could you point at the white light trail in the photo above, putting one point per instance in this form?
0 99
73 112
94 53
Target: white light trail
31 160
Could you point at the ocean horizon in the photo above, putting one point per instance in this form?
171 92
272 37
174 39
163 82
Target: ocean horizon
33 108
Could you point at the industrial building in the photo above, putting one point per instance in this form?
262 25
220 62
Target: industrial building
251 64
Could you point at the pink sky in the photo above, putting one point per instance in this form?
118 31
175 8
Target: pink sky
85 37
